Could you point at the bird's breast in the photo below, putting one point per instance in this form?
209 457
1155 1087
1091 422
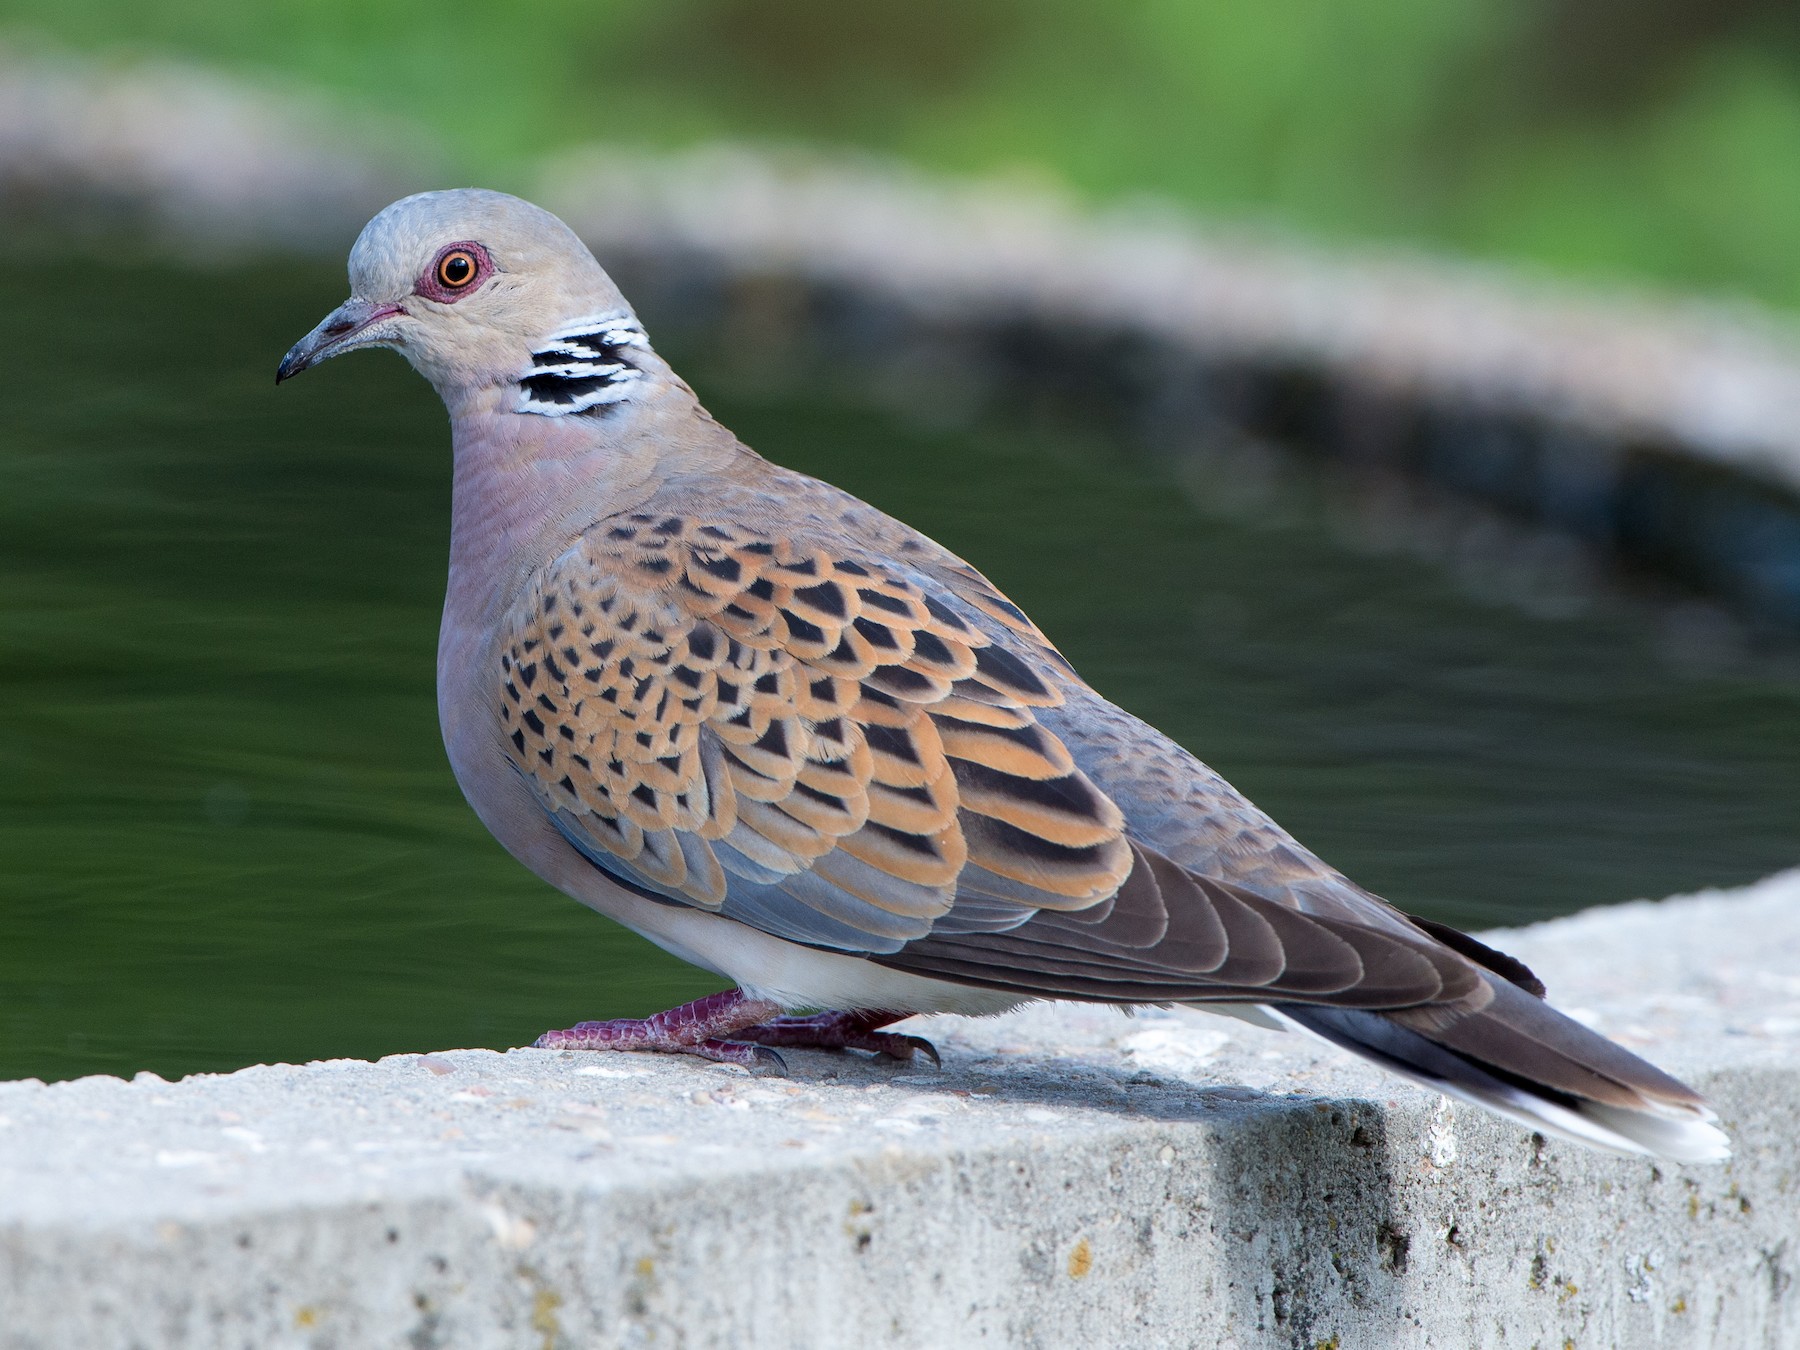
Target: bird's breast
468 716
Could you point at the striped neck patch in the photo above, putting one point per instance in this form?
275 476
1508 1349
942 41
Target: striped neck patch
583 365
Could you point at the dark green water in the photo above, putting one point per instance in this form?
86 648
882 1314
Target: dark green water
228 834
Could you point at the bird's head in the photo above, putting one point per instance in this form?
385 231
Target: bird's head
480 290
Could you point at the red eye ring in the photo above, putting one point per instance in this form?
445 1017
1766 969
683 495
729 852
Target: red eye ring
458 270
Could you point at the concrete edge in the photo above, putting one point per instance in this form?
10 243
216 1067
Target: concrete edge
1072 1177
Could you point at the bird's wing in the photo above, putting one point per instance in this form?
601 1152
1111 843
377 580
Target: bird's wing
855 755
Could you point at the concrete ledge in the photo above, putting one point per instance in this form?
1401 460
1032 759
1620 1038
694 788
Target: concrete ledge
1071 1177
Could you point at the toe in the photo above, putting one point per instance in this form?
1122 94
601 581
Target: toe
756 1058
894 1045
570 1038
924 1047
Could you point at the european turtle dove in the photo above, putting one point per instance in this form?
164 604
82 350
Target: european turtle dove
795 742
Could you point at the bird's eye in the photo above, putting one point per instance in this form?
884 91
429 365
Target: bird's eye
456 269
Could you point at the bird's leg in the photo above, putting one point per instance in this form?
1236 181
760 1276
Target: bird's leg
841 1031
709 1027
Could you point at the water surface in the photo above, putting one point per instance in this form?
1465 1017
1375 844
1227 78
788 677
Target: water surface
228 833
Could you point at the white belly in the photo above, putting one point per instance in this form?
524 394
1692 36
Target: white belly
789 974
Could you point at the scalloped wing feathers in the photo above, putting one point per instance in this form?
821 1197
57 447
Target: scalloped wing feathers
752 726
862 757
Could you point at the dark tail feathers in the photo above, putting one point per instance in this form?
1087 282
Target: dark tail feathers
1522 1059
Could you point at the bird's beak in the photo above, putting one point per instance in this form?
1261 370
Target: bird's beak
355 323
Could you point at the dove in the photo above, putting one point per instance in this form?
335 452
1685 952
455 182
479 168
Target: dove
795 742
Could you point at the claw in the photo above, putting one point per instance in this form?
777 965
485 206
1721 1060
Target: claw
771 1060
908 1046
843 1031
743 1053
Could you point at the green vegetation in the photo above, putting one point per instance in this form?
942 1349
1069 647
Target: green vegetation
1650 139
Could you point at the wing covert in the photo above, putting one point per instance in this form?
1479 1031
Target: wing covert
806 741
856 756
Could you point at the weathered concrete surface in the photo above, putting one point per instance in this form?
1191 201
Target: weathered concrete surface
1071 1177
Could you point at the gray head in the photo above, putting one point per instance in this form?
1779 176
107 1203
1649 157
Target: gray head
480 290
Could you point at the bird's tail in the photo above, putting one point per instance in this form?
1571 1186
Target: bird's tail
1522 1059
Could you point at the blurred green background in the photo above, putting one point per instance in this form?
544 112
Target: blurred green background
227 831
1651 139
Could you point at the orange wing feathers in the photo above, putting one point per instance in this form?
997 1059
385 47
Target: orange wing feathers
700 700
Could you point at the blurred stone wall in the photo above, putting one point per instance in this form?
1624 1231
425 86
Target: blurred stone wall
1664 433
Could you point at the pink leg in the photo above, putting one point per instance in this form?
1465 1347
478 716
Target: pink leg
707 1027
841 1031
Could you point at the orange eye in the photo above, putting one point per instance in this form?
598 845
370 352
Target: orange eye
457 269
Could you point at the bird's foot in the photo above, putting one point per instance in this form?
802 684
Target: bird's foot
710 1028
842 1031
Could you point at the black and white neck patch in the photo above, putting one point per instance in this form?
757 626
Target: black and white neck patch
585 364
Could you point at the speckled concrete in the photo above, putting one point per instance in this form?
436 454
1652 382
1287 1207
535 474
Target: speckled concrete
1071 1177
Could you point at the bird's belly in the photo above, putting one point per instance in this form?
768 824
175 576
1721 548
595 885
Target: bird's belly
796 976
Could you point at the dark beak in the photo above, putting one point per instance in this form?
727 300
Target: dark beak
353 324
